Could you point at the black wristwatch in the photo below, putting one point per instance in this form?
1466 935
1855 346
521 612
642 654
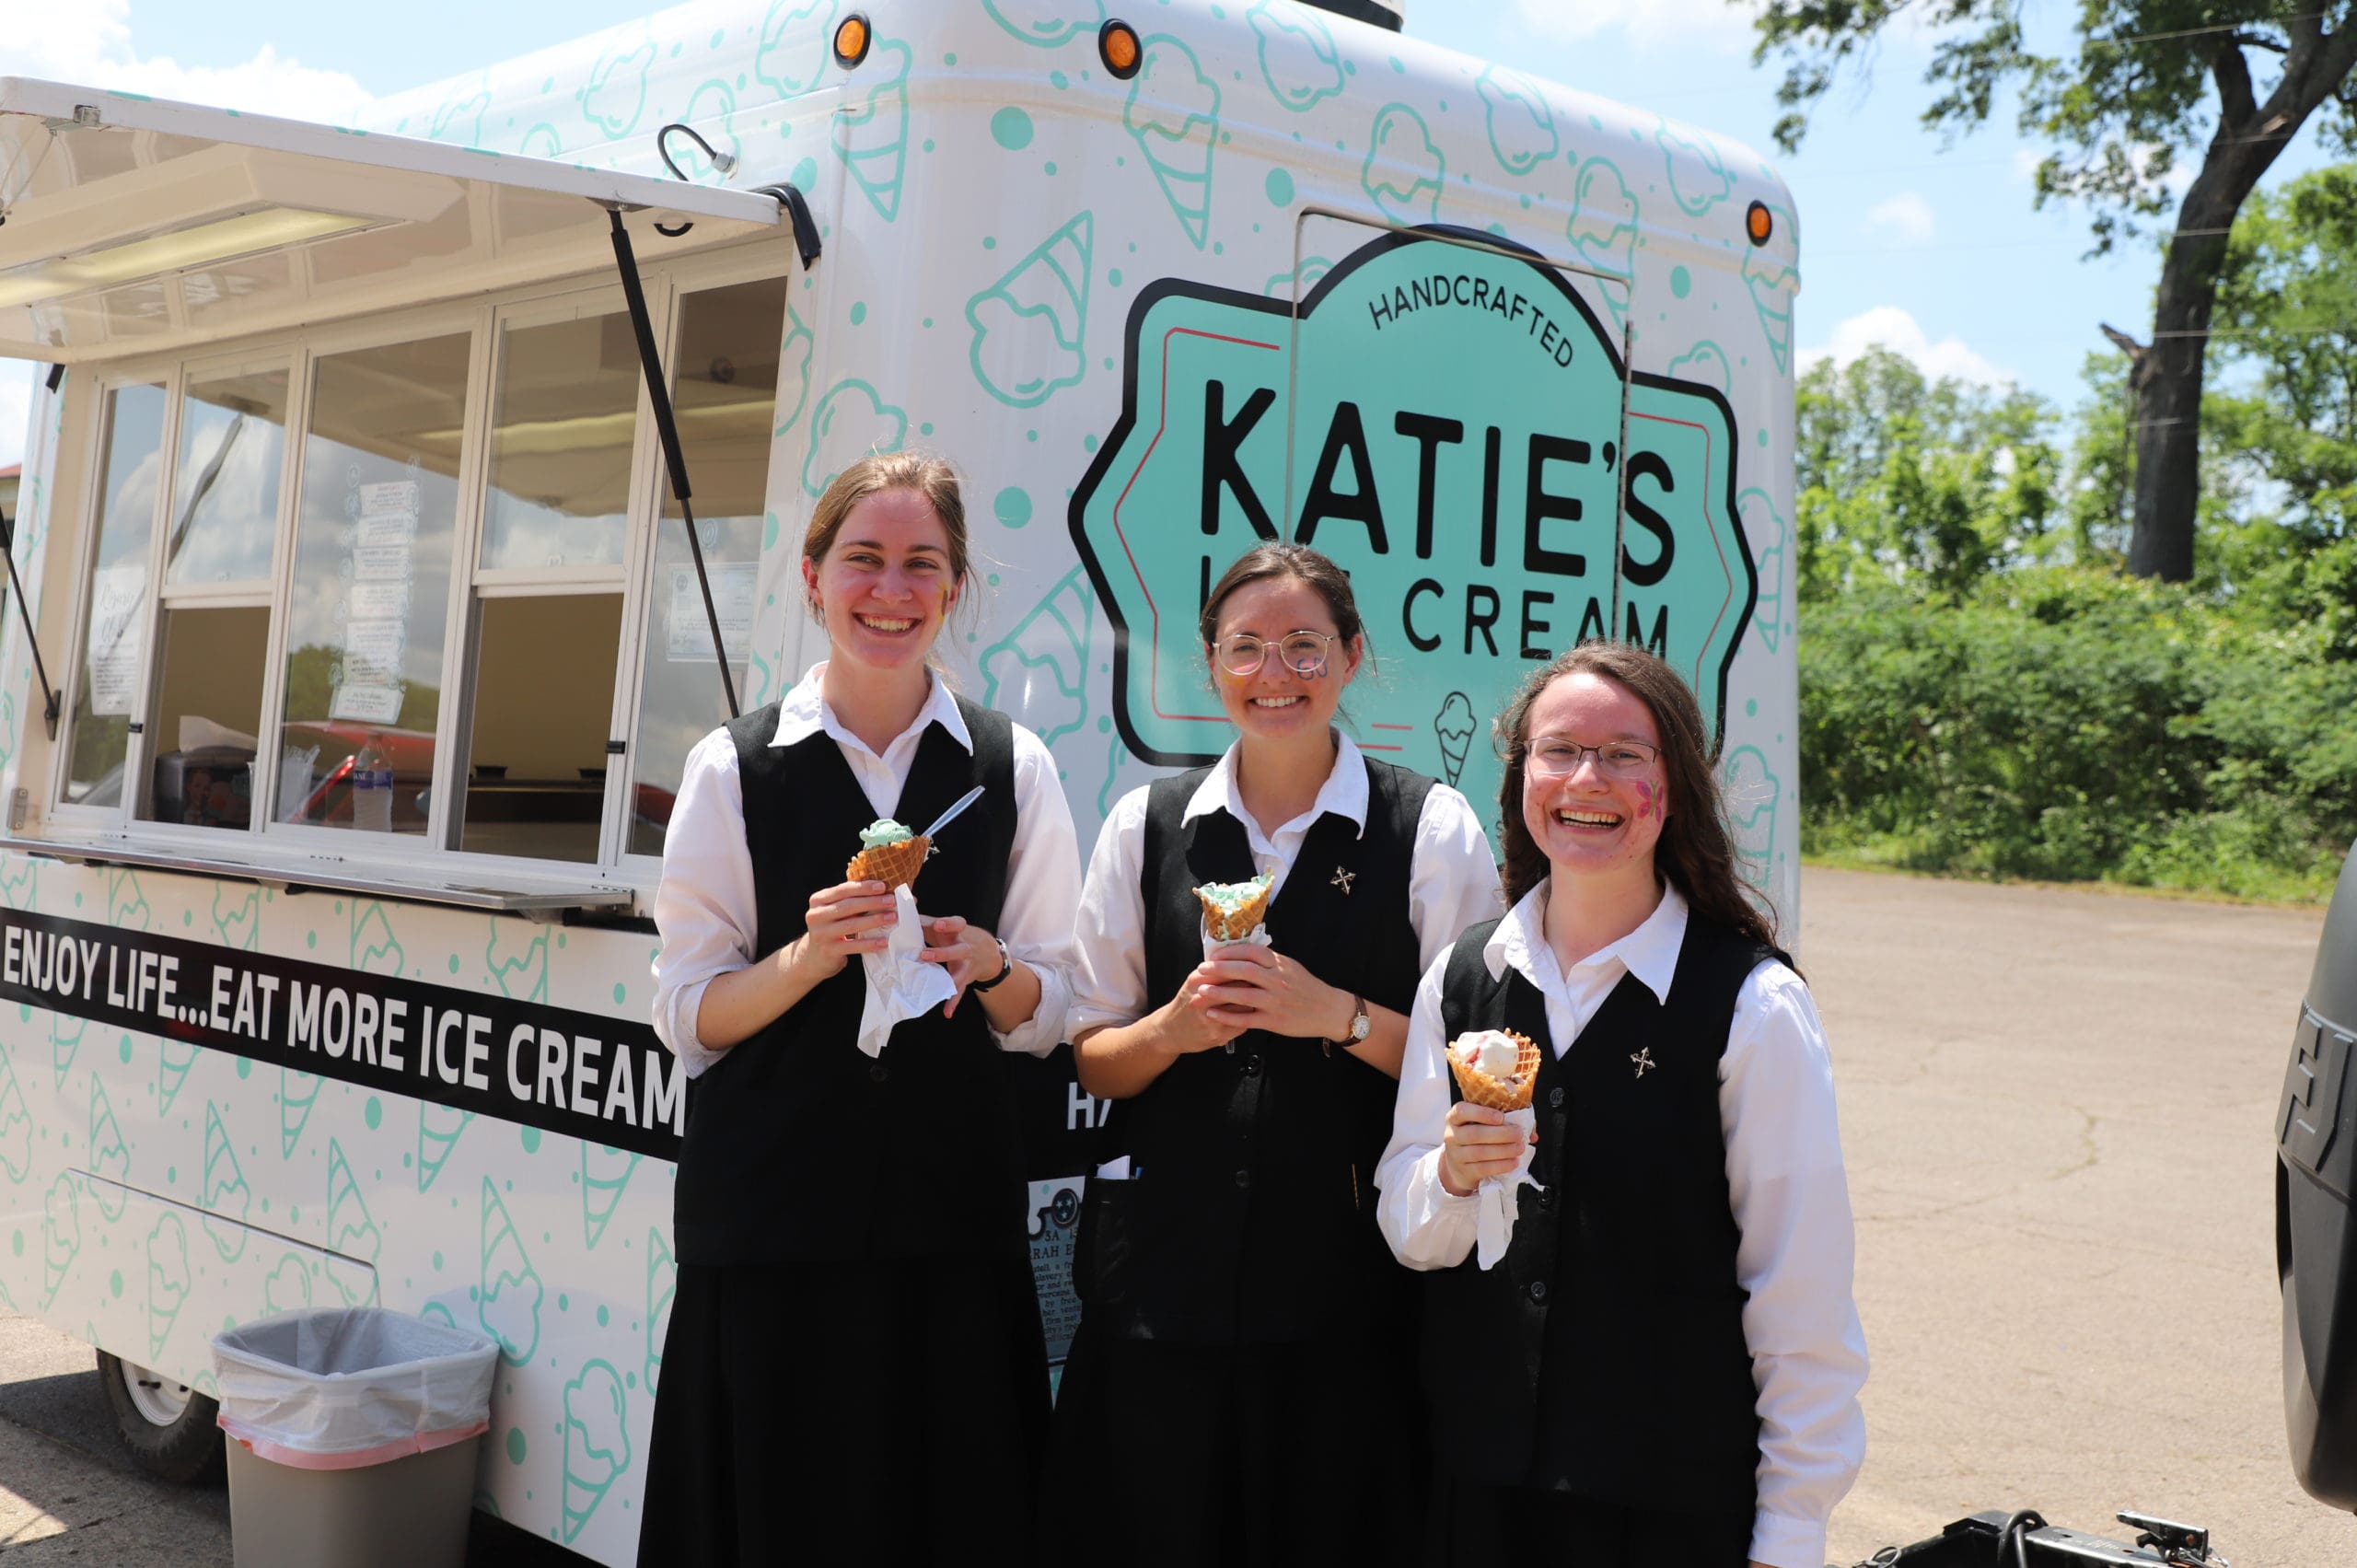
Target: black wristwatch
1005 967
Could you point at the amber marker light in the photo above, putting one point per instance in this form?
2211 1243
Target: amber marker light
853 35
1758 223
1117 45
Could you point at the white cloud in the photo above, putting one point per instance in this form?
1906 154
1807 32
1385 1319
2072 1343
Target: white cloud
89 41
1906 217
1889 327
1721 27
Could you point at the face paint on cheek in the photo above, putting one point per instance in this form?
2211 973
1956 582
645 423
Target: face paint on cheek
1647 800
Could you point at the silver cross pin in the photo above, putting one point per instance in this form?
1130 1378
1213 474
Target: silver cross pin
1342 879
1644 1058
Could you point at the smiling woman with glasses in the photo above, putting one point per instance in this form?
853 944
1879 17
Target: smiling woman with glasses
1243 1384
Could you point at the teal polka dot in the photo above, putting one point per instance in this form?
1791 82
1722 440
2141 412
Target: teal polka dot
989 243
621 991
1751 708
601 1317
1279 188
373 1113
1051 168
1013 507
531 1140
172 1173
1681 282
564 1304
126 1048
454 963
925 429
114 1284
1011 128
858 312
1764 438
951 58
1114 277
17 1244
188 917
515 1446
310 939
806 174
438 1263
244 1067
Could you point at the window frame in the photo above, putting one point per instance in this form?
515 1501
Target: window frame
294 848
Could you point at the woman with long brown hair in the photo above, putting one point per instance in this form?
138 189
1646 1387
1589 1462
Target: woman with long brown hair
855 1337
1639 1340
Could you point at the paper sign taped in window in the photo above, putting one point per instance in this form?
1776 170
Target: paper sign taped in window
687 632
366 702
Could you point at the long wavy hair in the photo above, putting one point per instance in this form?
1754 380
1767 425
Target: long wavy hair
1696 852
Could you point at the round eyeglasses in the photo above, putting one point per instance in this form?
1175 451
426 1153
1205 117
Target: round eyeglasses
1302 651
1552 757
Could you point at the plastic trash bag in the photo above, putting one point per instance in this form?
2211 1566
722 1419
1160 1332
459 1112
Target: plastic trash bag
334 1388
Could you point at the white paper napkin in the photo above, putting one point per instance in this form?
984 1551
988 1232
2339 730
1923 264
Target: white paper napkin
1259 938
899 984
1495 1200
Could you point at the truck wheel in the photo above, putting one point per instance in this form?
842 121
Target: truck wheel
170 1429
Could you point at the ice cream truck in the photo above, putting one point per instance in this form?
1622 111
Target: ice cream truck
403 498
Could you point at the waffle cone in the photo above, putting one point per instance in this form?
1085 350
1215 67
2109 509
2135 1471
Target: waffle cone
895 866
1481 1089
1236 926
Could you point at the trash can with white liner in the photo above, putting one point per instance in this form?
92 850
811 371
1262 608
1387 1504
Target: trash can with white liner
353 1435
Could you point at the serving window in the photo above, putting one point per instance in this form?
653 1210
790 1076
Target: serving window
407 589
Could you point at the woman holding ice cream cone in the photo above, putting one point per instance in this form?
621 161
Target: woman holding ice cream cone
1660 1227
855 1333
1242 1383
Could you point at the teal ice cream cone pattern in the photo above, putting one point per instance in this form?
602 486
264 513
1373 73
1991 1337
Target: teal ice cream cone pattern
60 1235
237 915
1766 529
438 1312
127 908
1699 179
1771 272
1455 726
872 138
1705 363
597 1442
518 959
15 1125
1603 226
662 1284
19 881
375 948
459 119
438 1126
1298 59
1522 128
605 1172
853 421
712 112
1047 23
615 95
168 1278
352 1232
225 1192
297 1093
1044 660
64 1044
1404 171
793 360
794 44
1173 111
1296 284
108 1152
1752 790
287 1286
173 1061
508 1303
1031 325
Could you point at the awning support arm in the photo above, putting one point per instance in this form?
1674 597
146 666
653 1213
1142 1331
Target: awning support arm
17 588
666 428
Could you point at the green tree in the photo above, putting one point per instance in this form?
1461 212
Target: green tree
2148 81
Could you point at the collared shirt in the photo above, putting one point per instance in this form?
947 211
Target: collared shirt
1784 1182
705 907
1452 879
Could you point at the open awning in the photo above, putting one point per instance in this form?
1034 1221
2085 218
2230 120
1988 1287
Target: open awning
132 226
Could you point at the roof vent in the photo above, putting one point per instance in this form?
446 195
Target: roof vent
1385 14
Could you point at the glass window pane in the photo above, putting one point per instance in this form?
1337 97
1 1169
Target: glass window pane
564 406
114 631
372 578
225 489
208 710
544 699
725 387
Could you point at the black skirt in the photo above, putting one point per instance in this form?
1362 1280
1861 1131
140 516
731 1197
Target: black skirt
904 1399
1482 1526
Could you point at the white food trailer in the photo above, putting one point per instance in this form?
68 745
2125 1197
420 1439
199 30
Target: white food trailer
357 631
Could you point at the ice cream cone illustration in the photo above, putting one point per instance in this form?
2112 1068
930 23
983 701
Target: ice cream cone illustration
597 1442
662 1284
1298 59
1765 529
438 1126
110 1157
225 1192
710 111
1030 325
517 958
1046 23
238 920
1046 658
793 44
1752 791
872 137
1298 282
1698 175
297 1092
168 1278
616 94
1522 128
1705 363
127 903
172 1062
1770 272
508 1302
1603 226
460 120
1173 112
352 1232
1404 171
852 422
604 1173
20 881
375 948
60 1236
793 357
1455 726
64 1042
288 1285
15 1125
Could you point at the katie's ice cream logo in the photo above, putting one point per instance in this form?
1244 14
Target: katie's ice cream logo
1459 445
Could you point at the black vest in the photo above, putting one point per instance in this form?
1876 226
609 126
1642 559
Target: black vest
1608 1344
800 1148
1251 1217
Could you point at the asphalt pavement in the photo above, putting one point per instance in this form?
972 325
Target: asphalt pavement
2057 1111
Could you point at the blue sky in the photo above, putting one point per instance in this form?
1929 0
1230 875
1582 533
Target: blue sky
1932 250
